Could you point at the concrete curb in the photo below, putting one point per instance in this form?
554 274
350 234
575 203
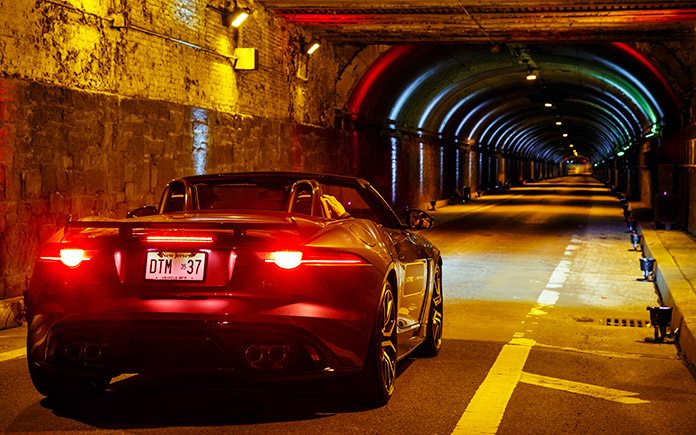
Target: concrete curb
11 312
676 291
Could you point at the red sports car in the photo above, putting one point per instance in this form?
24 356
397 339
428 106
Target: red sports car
270 276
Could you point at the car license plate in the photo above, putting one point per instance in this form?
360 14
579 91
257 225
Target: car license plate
175 266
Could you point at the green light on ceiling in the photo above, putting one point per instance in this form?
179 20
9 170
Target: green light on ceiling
629 91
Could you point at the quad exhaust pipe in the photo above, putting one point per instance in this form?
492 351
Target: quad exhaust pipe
266 355
80 351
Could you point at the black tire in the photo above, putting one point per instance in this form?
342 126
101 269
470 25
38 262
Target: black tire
66 386
378 376
433 338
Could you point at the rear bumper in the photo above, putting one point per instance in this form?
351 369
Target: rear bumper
290 349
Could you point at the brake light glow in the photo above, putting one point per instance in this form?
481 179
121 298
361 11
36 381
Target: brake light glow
180 239
72 257
285 259
292 259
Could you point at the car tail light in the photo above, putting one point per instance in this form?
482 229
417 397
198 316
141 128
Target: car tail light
292 259
71 257
285 259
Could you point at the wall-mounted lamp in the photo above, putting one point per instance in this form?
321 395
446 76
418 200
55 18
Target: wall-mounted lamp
313 46
232 15
238 16
559 123
531 75
565 134
548 105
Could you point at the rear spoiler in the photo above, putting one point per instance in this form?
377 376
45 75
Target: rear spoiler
126 227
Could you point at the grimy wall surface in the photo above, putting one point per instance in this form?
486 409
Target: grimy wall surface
103 102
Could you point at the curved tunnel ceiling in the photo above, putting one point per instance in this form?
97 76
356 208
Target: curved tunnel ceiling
604 98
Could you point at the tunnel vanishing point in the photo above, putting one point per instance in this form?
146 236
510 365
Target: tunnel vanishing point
103 102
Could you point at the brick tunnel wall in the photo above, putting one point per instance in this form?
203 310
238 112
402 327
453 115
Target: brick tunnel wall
95 119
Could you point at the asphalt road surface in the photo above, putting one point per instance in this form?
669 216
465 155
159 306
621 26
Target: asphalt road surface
537 282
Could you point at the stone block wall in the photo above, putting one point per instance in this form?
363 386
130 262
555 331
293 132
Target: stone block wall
103 102
81 154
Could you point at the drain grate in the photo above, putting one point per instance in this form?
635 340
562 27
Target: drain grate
627 323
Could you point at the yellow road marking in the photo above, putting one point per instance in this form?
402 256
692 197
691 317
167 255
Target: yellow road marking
536 312
611 394
607 354
12 354
486 409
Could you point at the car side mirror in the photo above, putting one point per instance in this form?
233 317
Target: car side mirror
419 220
147 210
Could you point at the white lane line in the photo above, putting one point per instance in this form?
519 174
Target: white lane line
486 409
548 297
12 354
611 394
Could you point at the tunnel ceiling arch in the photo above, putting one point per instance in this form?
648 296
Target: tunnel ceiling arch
604 98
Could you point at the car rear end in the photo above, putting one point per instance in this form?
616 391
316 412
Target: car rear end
242 294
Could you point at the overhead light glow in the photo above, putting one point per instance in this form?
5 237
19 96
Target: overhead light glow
559 123
548 105
410 90
531 76
452 111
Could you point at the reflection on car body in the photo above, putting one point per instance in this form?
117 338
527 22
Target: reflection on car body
269 276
